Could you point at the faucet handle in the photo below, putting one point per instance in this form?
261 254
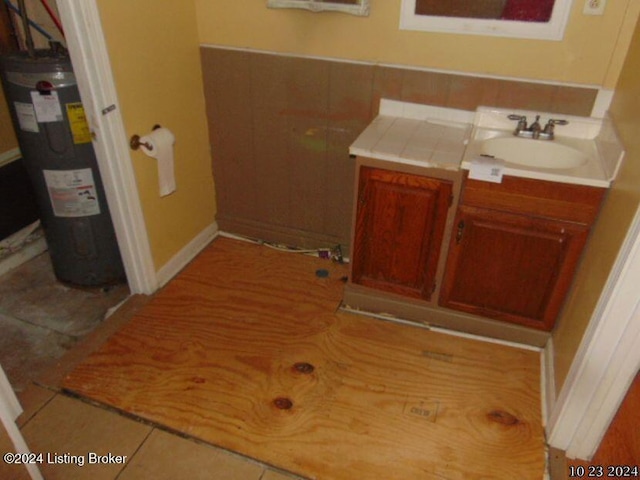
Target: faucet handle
555 121
522 122
548 128
517 117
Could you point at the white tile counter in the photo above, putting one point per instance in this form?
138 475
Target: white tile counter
418 135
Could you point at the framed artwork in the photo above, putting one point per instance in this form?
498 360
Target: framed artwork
354 7
536 19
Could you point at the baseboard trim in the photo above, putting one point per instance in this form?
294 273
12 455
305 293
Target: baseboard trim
547 381
188 253
23 255
9 156
279 234
364 299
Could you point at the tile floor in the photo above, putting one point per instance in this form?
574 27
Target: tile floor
69 430
46 329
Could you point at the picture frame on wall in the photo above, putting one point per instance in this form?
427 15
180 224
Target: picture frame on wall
354 7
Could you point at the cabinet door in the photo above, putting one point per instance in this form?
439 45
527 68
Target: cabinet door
400 224
511 267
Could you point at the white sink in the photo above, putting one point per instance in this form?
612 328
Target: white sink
585 151
534 153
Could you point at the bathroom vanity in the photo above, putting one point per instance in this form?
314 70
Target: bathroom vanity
449 234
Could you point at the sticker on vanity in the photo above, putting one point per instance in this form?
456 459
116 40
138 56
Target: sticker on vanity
486 168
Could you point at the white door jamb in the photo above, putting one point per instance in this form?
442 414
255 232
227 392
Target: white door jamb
87 47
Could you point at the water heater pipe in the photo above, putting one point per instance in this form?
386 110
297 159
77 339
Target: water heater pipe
27 29
55 19
37 27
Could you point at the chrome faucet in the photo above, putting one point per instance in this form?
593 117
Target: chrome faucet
548 128
535 130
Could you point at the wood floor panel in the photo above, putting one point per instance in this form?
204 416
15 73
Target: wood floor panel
243 330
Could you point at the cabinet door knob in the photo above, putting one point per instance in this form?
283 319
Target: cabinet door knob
460 231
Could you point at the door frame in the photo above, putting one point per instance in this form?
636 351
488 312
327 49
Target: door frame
607 360
87 48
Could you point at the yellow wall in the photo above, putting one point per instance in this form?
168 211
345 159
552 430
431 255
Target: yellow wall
154 51
587 55
616 216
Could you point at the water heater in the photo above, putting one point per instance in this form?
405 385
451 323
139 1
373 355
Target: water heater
56 145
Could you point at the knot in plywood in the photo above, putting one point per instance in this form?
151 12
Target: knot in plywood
283 403
502 417
304 368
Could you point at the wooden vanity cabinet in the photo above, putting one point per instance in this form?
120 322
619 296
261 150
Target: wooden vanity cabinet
400 225
515 248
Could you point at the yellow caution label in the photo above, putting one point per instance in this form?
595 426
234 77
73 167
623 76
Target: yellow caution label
78 122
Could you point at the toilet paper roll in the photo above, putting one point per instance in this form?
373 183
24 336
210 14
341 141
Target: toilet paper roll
160 143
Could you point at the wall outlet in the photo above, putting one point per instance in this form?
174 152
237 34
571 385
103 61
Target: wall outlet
594 7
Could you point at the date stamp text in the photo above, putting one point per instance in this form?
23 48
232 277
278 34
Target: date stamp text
605 471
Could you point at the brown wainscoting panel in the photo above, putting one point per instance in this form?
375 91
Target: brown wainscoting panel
281 126
429 88
228 88
350 111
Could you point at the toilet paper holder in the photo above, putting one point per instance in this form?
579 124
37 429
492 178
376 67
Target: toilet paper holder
135 142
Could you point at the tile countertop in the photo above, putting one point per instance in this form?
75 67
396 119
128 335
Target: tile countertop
414 134
435 137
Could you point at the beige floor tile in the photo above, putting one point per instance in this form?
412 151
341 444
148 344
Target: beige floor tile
166 456
32 399
68 432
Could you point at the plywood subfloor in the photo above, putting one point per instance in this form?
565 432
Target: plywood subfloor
245 349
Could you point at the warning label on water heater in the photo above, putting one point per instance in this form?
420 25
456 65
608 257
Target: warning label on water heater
78 123
72 192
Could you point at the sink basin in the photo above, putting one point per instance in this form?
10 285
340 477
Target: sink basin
534 153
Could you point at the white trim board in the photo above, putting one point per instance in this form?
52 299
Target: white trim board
606 362
547 381
10 409
188 253
9 156
87 47
23 255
